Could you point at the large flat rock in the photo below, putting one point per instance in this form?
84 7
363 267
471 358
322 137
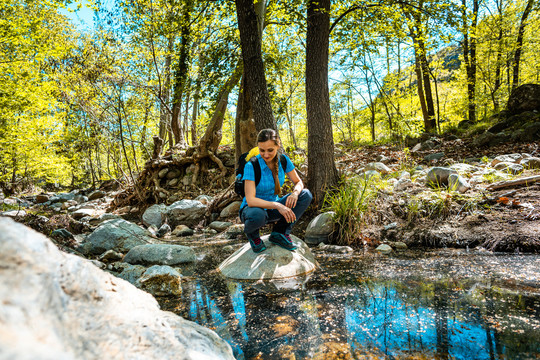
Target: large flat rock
272 264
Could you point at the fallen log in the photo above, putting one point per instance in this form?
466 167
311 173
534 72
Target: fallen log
512 183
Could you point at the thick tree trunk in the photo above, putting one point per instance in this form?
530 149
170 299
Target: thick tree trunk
164 111
469 55
255 81
246 133
519 43
431 123
322 173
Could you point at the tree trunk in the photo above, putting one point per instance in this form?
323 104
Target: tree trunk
431 124
181 75
469 55
519 44
164 111
246 132
322 172
255 81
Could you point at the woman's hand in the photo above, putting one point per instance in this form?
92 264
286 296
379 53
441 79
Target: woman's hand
286 212
291 200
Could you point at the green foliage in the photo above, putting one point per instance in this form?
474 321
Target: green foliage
352 203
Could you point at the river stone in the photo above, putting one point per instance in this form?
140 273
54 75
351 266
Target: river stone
174 173
110 256
182 230
509 158
205 199
320 228
160 254
438 176
464 168
384 249
79 214
13 213
161 280
336 248
220 225
273 263
458 183
378 166
128 272
186 212
509 167
61 234
155 215
41 198
60 306
434 156
102 218
234 231
163 230
94 195
231 210
173 182
531 163
402 184
118 235
163 172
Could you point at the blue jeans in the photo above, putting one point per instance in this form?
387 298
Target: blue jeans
255 217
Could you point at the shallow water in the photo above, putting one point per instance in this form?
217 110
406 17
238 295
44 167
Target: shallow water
444 305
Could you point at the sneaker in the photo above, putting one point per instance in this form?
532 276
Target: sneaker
257 245
282 240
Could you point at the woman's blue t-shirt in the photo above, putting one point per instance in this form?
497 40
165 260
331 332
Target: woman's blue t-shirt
265 188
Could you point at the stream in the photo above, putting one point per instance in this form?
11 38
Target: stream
445 304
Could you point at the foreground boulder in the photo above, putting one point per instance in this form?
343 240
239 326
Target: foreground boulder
272 264
524 98
60 306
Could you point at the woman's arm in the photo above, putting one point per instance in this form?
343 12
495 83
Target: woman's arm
298 187
253 201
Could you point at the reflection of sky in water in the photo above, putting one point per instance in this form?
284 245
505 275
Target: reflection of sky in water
385 322
375 317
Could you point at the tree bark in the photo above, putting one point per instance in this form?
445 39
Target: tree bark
322 172
164 111
255 81
469 55
519 44
181 74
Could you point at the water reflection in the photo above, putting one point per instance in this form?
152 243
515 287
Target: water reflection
350 315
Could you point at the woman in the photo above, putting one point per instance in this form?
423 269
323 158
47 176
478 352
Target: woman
263 204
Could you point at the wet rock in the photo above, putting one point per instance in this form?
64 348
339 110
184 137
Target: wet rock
320 228
458 183
186 212
220 226
531 163
524 98
336 248
438 176
384 249
182 230
161 280
163 230
379 167
273 263
160 254
155 215
434 156
49 298
119 235
230 210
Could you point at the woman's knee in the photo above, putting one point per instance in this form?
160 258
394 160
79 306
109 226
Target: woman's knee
254 216
306 195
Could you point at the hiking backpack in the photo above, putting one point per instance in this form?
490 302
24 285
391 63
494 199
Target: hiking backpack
239 183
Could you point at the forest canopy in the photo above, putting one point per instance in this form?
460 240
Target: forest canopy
82 106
